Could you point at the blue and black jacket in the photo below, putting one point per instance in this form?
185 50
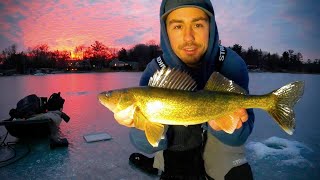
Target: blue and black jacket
233 68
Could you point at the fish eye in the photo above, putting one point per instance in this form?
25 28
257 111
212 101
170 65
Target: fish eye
108 94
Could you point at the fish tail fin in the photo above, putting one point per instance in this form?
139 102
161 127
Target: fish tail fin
282 110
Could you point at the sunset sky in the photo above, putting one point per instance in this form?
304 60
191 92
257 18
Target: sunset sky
273 25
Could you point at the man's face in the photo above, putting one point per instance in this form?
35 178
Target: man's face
188 32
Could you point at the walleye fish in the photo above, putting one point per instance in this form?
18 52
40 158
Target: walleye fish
171 98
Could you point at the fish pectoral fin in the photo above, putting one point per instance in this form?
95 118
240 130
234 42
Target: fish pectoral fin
227 123
139 119
154 132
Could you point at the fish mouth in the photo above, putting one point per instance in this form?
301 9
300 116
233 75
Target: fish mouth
105 101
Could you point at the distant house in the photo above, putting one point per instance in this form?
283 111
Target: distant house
253 68
83 65
79 65
119 65
134 65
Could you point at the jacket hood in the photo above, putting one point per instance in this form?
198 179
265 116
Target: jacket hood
172 60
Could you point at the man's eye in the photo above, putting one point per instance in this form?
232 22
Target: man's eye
177 27
198 25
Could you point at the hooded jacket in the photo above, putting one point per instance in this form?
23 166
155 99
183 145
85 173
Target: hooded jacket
233 68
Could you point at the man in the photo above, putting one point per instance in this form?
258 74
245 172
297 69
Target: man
190 41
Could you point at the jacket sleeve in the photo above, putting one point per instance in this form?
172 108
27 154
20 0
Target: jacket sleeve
138 137
235 69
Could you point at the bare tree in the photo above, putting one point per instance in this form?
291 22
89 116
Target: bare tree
79 51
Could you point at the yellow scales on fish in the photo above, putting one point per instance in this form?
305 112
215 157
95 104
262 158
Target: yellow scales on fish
171 98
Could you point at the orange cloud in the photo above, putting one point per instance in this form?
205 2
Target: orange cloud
68 24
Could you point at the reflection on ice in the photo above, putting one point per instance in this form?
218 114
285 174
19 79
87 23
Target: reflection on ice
77 93
282 151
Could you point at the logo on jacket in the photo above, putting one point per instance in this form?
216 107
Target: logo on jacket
222 53
160 62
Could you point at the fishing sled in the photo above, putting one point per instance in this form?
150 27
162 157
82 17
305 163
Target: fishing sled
35 116
21 128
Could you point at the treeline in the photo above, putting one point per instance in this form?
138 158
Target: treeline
289 61
141 53
99 56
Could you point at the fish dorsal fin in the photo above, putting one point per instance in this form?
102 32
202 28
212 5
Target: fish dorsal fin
218 82
171 78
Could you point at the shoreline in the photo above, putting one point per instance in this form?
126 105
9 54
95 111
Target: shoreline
109 70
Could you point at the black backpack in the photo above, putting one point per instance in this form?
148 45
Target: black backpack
29 106
55 102
32 105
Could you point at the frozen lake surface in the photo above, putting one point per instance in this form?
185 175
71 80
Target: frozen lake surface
271 152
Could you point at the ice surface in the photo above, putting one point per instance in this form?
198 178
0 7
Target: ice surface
288 152
271 153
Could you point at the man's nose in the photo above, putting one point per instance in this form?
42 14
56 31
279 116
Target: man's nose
188 35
